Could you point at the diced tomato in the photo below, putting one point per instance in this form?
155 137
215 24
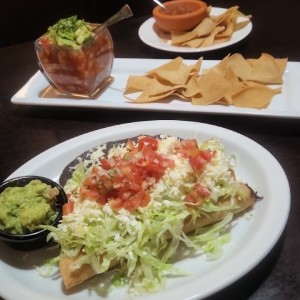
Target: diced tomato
91 182
106 183
145 201
169 163
148 141
198 158
127 180
116 203
95 170
125 169
133 186
148 153
86 193
193 200
203 191
104 164
154 170
132 150
68 208
102 199
197 195
189 143
130 144
188 147
207 154
197 162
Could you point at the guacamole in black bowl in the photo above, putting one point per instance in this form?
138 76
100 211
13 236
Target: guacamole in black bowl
26 204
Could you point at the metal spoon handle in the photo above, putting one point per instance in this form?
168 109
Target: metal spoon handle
124 13
159 3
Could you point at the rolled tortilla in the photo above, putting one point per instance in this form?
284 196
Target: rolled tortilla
72 277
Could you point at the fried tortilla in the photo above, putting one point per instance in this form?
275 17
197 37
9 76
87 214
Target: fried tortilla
74 273
74 276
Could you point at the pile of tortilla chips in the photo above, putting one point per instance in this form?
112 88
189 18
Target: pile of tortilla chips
212 30
233 81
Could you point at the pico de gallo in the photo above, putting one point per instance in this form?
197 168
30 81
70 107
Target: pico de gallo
74 58
125 181
127 202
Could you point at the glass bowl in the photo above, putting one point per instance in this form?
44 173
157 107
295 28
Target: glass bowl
82 72
180 15
37 238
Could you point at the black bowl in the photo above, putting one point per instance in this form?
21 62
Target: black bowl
38 238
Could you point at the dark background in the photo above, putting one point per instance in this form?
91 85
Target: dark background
25 20
26 131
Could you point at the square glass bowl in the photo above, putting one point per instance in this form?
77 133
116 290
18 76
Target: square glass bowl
82 72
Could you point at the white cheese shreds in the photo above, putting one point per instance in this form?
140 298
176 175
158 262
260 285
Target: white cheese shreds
145 240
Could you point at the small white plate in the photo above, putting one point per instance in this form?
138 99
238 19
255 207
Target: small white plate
252 238
148 35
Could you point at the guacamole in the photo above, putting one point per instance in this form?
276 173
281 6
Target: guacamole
23 209
70 32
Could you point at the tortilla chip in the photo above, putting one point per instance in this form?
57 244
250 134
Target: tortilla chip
233 81
267 70
172 65
221 40
154 90
210 91
226 32
145 97
195 43
205 27
179 38
240 25
209 41
228 14
174 72
191 89
254 96
206 33
237 63
136 83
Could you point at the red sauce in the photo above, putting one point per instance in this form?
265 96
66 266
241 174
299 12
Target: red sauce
179 10
81 72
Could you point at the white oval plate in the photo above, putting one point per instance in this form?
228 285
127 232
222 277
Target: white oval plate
252 239
148 35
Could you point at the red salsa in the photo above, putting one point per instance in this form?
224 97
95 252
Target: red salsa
179 10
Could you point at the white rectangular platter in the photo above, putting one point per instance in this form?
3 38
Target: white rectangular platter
37 92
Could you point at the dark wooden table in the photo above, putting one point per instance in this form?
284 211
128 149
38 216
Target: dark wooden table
26 131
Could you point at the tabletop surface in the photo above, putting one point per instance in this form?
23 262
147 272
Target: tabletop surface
26 131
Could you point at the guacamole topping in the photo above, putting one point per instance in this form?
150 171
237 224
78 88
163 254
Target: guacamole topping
24 209
70 32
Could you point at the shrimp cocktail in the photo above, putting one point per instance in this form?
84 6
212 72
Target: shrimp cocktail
75 58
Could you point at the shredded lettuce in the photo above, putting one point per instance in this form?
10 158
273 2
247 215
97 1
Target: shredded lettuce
73 183
144 242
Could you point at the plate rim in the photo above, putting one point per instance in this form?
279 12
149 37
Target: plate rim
147 25
90 137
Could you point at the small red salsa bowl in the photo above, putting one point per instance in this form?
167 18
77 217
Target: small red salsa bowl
82 72
180 15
